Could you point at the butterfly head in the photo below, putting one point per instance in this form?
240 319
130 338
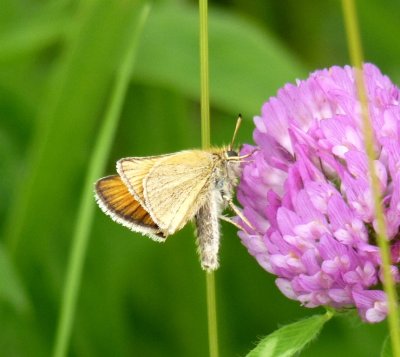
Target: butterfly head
230 153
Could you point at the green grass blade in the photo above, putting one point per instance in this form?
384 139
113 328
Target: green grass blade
38 226
65 127
205 144
11 289
34 33
387 348
86 208
356 55
204 75
247 61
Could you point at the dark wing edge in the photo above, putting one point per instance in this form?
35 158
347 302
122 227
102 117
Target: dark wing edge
115 200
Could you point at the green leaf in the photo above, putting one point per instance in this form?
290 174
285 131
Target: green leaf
95 169
387 348
247 65
65 129
34 32
290 339
67 122
11 289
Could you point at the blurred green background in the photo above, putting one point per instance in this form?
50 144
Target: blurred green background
58 61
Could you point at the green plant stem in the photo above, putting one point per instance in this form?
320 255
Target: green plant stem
205 143
212 315
356 56
86 208
204 76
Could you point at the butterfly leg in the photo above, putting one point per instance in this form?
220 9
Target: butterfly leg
240 214
231 221
243 157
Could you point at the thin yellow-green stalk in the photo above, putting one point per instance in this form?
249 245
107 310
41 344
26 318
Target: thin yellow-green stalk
204 83
205 143
356 56
86 208
212 315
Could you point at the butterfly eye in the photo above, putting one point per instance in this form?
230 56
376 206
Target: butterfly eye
219 184
231 153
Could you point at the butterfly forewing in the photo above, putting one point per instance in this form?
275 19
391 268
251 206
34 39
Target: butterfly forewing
176 188
116 201
133 170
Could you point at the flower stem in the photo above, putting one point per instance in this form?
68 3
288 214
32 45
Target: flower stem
205 143
86 208
204 85
212 315
356 56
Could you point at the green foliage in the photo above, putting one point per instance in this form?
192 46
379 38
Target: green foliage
58 64
290 339
250 58
11 289
386 348
96 167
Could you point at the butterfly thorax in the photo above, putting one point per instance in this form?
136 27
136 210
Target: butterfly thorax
225 176
223 179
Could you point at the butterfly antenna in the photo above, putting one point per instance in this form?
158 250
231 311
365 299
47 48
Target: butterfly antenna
238 122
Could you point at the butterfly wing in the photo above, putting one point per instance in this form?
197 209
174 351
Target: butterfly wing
133 170
176 187
115 200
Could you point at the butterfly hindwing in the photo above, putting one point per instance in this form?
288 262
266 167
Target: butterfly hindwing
116 201
176 188
133 170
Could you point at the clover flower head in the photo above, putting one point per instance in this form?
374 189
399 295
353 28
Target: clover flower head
306 190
